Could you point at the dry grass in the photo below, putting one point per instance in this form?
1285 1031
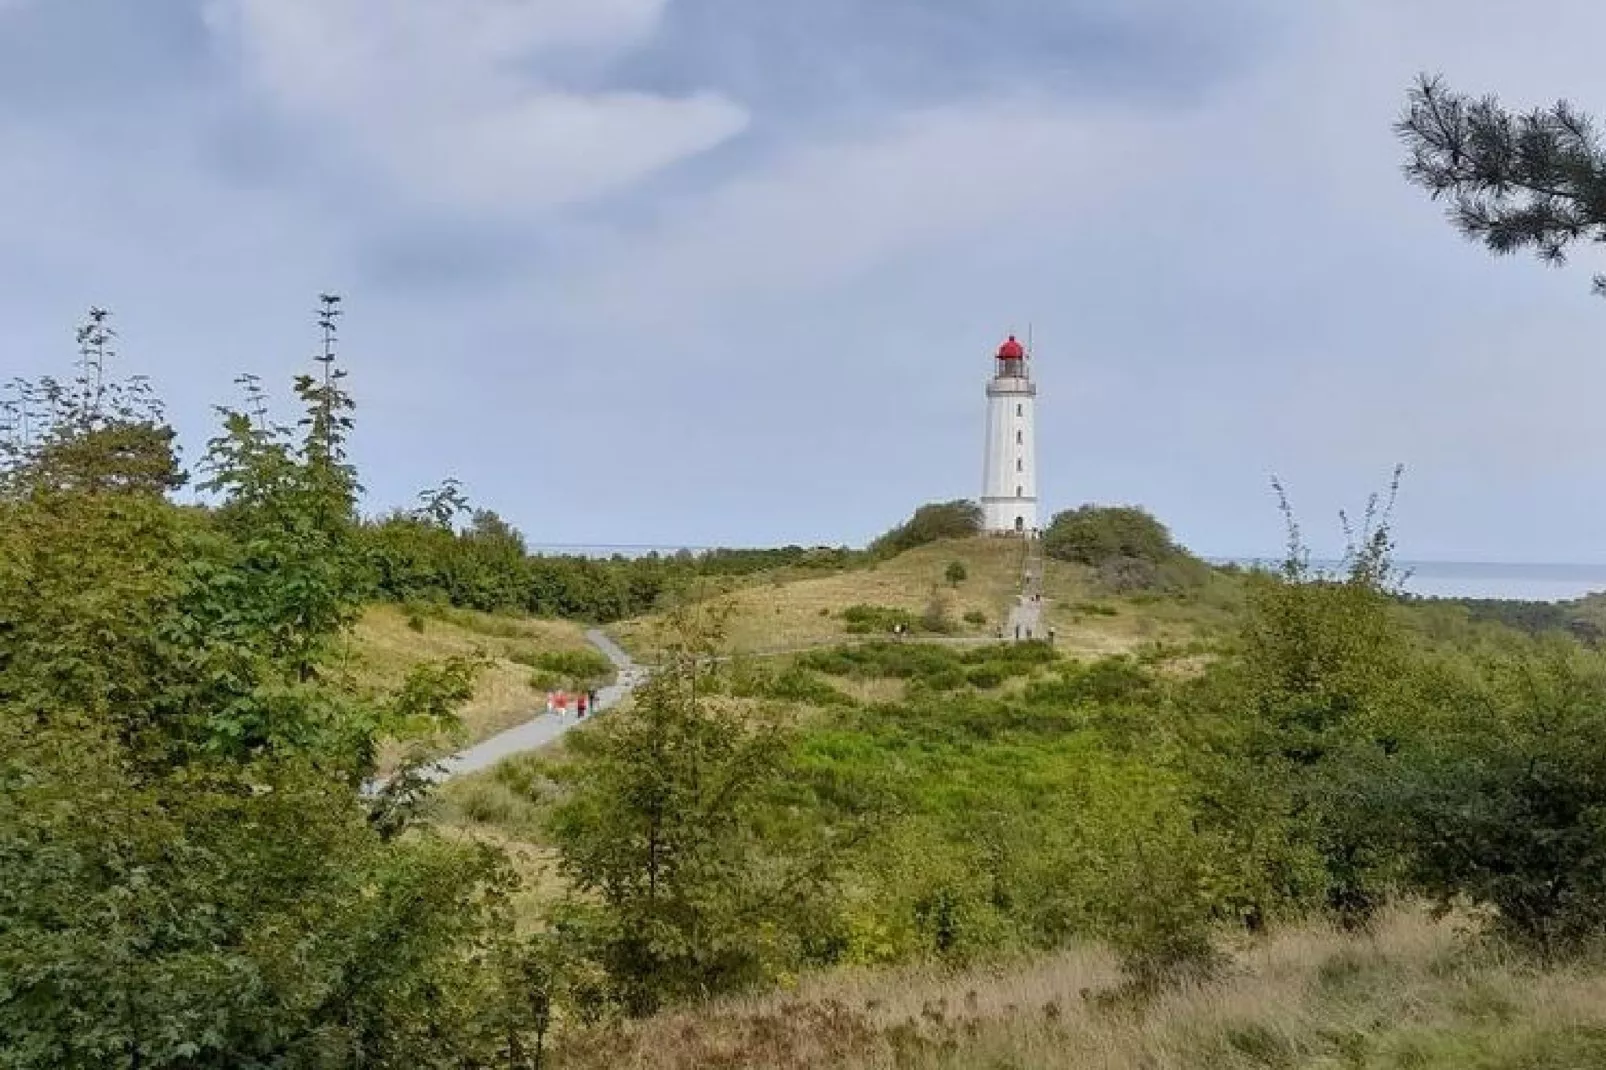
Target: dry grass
784 614
383 648
770 615
1415 994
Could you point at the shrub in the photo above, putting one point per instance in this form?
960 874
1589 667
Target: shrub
939 520
984 677
976 617
1131 550
936 618
867 620
1505 805
956 573
575 667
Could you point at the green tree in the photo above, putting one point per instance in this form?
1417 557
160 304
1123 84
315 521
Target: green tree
1532 180
955 573
1503 802
1094 534
683 889
930 523
193 874
1291 731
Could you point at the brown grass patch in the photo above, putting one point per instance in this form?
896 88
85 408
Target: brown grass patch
1412 994
383 648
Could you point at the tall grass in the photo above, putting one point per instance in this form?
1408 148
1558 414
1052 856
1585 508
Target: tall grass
1416 993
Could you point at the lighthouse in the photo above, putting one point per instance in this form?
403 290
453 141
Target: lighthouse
1009 479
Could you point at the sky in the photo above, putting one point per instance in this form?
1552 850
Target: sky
721 272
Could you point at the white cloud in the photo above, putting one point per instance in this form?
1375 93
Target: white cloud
440 94
826 212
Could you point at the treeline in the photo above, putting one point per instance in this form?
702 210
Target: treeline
422 557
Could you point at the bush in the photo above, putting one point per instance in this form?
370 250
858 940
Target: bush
868 620
939 520
1505 804
1131 550
936 618
575 667
976 617
956 573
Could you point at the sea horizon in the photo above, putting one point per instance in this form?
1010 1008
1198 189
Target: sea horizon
1517 581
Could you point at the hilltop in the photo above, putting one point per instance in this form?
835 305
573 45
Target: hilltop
783 611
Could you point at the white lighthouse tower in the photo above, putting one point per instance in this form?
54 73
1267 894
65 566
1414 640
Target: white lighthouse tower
1009 479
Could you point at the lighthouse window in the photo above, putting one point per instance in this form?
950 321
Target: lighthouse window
1019 437
1018 465
1017 492
1020 410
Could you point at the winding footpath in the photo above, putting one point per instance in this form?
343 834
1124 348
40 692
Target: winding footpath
546 727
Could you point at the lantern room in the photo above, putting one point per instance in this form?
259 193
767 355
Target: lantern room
1011 360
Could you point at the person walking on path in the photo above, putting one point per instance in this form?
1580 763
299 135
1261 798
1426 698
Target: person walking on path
580 704
592 695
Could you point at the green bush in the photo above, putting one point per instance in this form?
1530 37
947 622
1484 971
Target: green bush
1504 803
869 620
976 617
939 520
936 619
575 667
1126 546
956 573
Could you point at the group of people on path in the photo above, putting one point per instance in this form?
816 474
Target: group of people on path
584 702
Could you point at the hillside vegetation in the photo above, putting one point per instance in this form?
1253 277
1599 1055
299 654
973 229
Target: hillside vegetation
387 642
782 612
1408 996
203 870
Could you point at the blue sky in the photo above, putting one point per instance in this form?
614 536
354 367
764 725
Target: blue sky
729 272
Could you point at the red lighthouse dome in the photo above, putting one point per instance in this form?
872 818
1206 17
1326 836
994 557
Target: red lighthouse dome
1011 350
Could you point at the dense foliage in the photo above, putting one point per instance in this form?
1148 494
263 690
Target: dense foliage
192 875
200 869
1129 549
930 523
420 556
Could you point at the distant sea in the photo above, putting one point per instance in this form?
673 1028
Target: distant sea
1479 579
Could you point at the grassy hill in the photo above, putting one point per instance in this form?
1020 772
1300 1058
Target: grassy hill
388 641
779 612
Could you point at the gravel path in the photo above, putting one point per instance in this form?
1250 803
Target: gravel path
546 727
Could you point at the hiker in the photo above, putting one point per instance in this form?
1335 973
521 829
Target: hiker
563 704
1051 635
592 694
551 704
1017 633
580 704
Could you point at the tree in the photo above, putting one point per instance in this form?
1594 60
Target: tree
682 891
1128 547
1502 803
1533 180
1295 728
955 573
958 519
193 875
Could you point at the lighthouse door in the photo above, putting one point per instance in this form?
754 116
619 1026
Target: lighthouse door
1020 523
